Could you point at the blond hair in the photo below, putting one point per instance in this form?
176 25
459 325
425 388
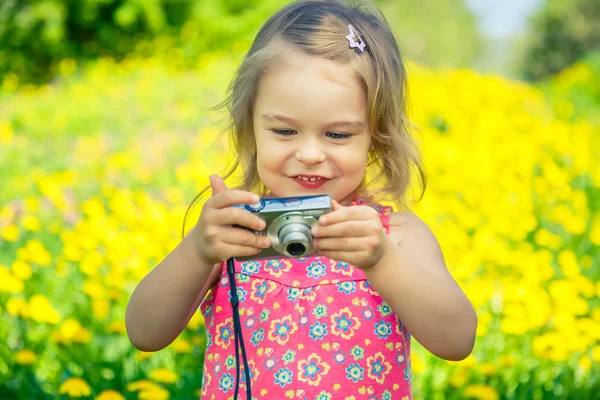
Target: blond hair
319 27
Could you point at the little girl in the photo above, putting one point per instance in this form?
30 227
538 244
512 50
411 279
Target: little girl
318 102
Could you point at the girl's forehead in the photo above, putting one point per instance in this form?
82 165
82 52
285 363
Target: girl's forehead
313 79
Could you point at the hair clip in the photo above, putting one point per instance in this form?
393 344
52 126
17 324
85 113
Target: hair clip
358 45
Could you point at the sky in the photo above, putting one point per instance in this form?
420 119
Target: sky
501 19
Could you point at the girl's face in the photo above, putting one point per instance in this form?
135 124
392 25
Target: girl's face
311 129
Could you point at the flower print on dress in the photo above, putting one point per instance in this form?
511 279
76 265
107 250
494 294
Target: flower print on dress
384 309
260 289
320 311
312 369
378 367
365 286
226 382
281 329
257 336
316 269
271 362
206 378
289 356
368 313
340 357
250 267
323 395
254 372
318 331
276 268
342 267
224 333
283 376
346 287
383 329
358 352
309 294
344 324
241 293
230 362
293 294
355 372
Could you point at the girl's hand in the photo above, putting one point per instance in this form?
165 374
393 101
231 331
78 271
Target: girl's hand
216 238
351 234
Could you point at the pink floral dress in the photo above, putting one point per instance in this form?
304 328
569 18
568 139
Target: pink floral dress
314 328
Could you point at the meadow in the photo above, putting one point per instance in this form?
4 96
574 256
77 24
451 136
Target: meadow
98 168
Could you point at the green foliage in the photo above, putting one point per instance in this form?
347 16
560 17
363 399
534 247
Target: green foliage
575 91
35 35
434 32
560 33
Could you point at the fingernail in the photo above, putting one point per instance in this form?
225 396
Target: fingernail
255 198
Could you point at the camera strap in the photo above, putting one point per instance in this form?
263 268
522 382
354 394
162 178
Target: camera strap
237 333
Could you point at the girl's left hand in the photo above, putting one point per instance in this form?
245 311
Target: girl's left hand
351 234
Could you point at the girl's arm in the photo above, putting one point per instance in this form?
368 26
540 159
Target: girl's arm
165 300
413 279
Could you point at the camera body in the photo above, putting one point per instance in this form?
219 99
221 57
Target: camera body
288 224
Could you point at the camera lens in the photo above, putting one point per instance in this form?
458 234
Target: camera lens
295 242
296 248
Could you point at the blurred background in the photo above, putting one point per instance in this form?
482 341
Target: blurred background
106 137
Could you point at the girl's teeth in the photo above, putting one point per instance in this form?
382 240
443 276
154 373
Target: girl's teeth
309 179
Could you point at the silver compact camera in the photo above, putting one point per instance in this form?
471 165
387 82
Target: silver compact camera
288 224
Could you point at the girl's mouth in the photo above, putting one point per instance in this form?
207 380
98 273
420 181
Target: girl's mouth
310 181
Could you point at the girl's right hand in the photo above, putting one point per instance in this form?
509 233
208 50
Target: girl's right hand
216 238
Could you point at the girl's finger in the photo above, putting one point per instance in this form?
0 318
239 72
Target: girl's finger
348 213
236 216
232 197
242 237
342 229
341 244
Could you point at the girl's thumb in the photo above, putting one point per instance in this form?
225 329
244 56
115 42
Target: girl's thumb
217 185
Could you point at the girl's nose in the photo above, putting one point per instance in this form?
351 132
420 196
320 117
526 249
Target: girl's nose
310 152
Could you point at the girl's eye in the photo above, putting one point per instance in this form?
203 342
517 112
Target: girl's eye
284 132
337 135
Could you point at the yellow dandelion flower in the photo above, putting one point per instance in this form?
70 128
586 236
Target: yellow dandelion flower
182 346
164 375
481 392
143 355
21 269
41 310
109 395
6 133
31 204
31 223
157 393
38 254
25 357
8 282
69 328
94 289
10 233
596 353
143 384
17 306
116 327
100 308
487 368
75 387
83 336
